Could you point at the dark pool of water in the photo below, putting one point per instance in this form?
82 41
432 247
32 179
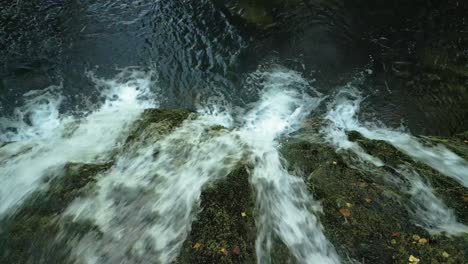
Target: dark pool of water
198 51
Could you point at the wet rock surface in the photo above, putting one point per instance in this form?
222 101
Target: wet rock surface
224 231
36 232
365 216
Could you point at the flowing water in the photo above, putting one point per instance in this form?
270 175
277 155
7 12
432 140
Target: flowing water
71 98
429 210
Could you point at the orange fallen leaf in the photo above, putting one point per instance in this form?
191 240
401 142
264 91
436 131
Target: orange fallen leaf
345 212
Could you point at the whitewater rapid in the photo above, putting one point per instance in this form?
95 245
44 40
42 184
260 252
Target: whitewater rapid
428 210
40 140
166 187
144 205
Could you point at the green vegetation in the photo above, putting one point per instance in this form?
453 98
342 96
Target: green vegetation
32 233
224 231
364 216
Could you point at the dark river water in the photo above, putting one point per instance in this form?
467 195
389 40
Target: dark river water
200 53
91 171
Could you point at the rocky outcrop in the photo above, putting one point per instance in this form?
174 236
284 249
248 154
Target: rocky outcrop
39 232
365 215
35 233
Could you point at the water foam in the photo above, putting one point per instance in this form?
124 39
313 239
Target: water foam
429 211
343 116
145 204
285 207
43 140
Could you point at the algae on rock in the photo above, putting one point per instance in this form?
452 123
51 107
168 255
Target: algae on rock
35 232
364 216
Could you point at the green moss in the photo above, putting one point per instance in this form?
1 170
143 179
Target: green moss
365 217
31 233
154 123
224 231
453 194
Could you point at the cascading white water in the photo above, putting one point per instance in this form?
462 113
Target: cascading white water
431 212
285 207
344 117
427 208
43 140
144 205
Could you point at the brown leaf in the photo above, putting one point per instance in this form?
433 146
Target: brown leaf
345 212
465 198
236 250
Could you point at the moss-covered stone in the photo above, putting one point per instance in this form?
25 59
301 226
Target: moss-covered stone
155 123
31 234
224 231
450 190
364 216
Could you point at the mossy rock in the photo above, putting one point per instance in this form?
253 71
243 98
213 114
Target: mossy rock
452 192
155 123
32 233
224 231
364 217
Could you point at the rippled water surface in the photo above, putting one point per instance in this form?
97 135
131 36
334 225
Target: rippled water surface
78 74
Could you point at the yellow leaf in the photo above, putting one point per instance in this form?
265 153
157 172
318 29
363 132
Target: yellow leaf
416 237
422 241
223 250
335 163
413 259
445 254
349 205
197 246
243 214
